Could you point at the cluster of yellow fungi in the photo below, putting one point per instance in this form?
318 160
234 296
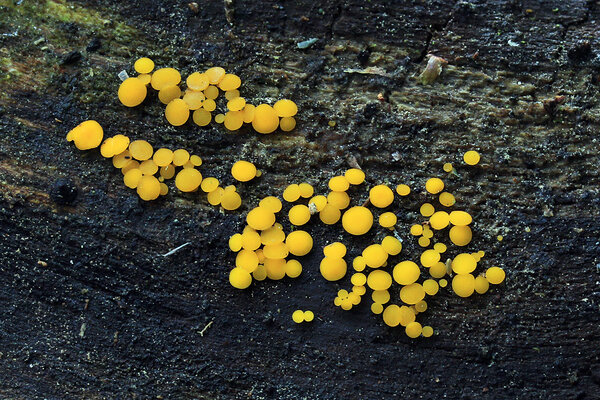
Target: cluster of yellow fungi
199 99
263 249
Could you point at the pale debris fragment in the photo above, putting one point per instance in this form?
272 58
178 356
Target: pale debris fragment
432 70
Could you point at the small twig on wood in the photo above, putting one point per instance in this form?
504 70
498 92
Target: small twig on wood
176 249
205 328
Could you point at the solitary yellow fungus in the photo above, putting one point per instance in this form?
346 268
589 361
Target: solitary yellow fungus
381 196
169 93
460 235
271 203
429 258
275 268
235 242
460 218
165 77
260 218
413 330
201 117
412 294
329 215
357 220
231 200
233 120
132 92
293 268
291 193
359 263
438 270
427 331
392 315
500 238
141 150
358 279
375 255
333 269
163 157
440 247
471 157
248 113
299 243
148 188
299 215
240 278
339 183
376 308
434 185
388 220
391 245
265 119
416 230
439 220
464 263
298 316
285 108
495 275
406 272
354 176
335 250
168 171
421 306
143 65
443 282
448 167
463 284
230 82
122 159
308 316
430 287
177 112
148 167
407 315
193 99
132 178
197 81
481 285
447 199
236 104
339 200
243 171
87 135
214 197
379 280
403 190
246 259
427 210
317 203
215 74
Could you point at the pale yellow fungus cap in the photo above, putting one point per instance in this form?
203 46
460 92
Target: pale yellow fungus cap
357 220
143 65
285 108
471 157
381 196
132 92
243 171
87 135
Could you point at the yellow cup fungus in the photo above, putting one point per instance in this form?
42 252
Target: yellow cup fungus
413 330
471 157
406 272
299 243
215 75
243 171
306 190
380 296
194 100
375 255
317 203
232 94
358 279
299 215
335 250
391 245
177 112
292 193
359 263
197 81
460 218
379 280
132 92
339 183
148 167
265 119
388 220
427 209
148 188
416 230
87 135
460 235
236 104
247 259
357 220
448 167
293 268
376 308
230 82
427 331
235 242
440 247
403 190
298 316
132 178
464 263
285 108
481 285
495 275
333 269
272 235
210 105
287 124
329 215
463 284
381 196
188 179
447 199
339 200
231 200
429 258
309 316
439 220
165 77
275 268
392 315
170 93
271 203
240 278
143 65
233 120
180 157
354 176
260 218
434 185
163 157
141 150
430 287
412 294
